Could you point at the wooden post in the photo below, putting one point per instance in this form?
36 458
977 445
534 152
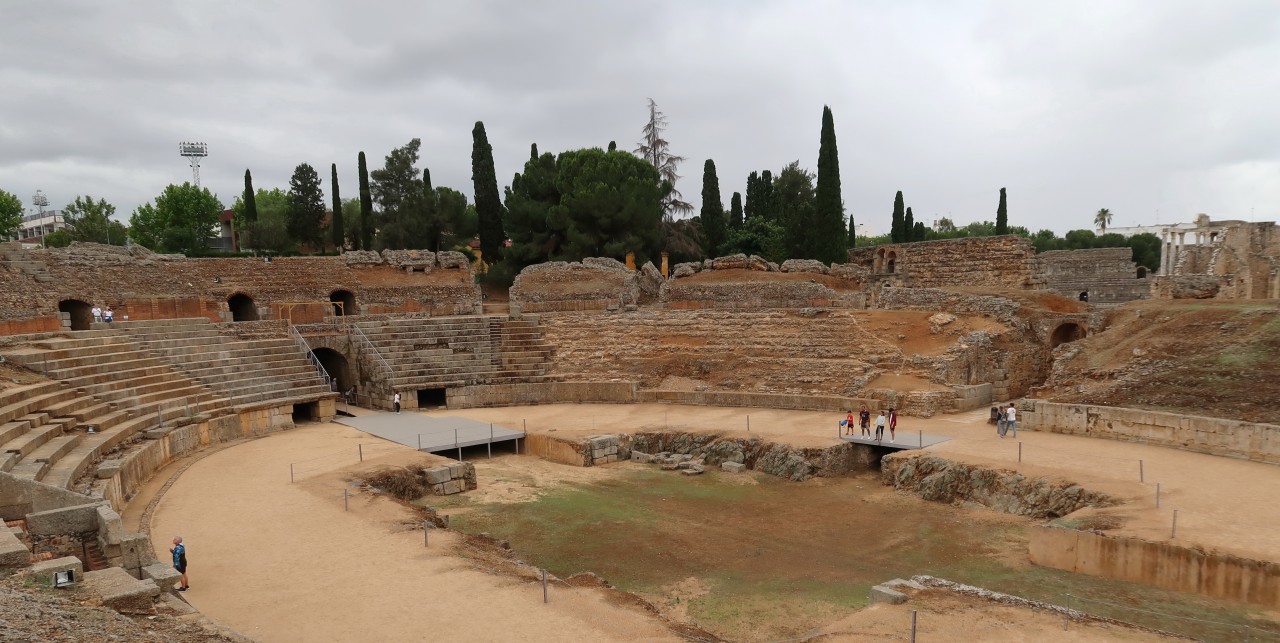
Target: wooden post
913 626
1174 533
1141 475
1157 495
1019 452
346 506
360 447
544 586
290 473
490 445
426 540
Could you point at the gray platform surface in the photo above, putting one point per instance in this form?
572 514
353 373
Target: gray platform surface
427 433
906 440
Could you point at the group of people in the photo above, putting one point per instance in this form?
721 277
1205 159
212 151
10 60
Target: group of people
1005 419
864 423
102 314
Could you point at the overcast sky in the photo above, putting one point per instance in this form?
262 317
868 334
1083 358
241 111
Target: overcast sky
1140 107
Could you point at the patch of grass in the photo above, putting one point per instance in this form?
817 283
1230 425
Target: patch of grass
742 608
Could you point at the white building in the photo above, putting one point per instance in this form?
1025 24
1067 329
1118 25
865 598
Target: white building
35 226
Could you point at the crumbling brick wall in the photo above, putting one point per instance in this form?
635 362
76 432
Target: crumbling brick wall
595 283
1006 261
1109 275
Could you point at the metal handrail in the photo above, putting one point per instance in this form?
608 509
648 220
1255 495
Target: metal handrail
311 356
368 345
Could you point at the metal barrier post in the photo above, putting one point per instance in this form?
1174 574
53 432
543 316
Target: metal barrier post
913 626
1019 452
360 448
1174 533
290 473
490 445
921 436
426 540
544 586
1157 495
456 445
346 506
748 422
1066 616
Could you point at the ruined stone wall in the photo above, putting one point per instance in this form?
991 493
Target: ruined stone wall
750 282
144 285
1109 275
595 283
1005 262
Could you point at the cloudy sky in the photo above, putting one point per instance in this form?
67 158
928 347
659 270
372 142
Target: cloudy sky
1156 109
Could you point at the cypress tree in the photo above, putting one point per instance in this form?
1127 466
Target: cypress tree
250 199
713 220
852 236
335 222
770 206
735 211
533 150
489 209
752 207
613 146
909 227
827 227
899 215
366 208
918 235
1002 216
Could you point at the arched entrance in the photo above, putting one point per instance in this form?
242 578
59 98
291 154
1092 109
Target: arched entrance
242 307
891 262
337 366
1068 332
347 299
1142 272
81 315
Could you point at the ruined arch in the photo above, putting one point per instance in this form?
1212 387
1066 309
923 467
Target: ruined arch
891 261
347 299
1066 332
1142 272
242 307
80 313
338 367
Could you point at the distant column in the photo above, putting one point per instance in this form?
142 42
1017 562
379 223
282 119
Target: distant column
1164 252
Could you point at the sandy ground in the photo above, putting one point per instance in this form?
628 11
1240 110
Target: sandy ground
283 562
1218 499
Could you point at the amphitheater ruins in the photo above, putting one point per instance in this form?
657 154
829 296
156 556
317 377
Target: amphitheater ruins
98 419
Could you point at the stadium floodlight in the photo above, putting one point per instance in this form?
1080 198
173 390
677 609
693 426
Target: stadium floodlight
40 200
193 152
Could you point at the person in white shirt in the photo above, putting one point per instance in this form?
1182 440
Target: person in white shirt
880 420
1011 419
97 313
396 401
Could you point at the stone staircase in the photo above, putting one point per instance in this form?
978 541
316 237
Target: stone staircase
17 259
107 392
441 352
249 372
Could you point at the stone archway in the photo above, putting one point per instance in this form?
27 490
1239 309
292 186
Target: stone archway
347 299
891 262
80 311
337 366
1142 272
242 307
1066 332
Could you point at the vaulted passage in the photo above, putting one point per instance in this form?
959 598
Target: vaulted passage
1068 332
338 367
344 302
242 307
81 316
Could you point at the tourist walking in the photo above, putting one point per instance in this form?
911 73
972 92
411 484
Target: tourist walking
848 422
179 552
864 421
97 313
1000 425
880 420
1011 420
396 401
893 423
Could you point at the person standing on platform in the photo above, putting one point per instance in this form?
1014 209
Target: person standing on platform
179 552
864 421
848 422
395 401
893 423
880 420
97 313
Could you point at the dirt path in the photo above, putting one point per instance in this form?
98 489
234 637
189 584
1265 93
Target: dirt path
1219 500
284 562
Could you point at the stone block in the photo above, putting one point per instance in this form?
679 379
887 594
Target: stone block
122 592
136 551
163 575
733 467
884 594
610 458
44 570
641 457
71 520
458 470
12 552
693 471
668 466
438 475
108 468
110 527
451 487
598 454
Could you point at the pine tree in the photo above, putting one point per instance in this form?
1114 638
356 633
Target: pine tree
489 208
826 232
335 222
714 231
250 202
1002 216
613 146
735 211
306 207
909 227
852 237
366 208
899 215
751 208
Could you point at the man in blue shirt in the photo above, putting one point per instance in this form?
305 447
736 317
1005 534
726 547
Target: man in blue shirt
179 552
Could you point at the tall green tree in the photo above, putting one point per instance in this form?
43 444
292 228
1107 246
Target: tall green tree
306 207
852 237
909 226
770 203
182 219
250 203
1102 219
90 220
365 238
656 150
828 237
488 205
612 202
11 210
792 195
735 211
714 225
335 220
918 232
270 232
537 234
752 206
1002 215
899 219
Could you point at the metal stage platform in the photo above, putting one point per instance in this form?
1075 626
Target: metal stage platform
432 434
906 440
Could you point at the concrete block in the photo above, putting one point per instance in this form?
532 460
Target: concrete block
438 475
610 458
458 470
72 520
44 570
451 487
438 489
164 576
136 551
108 468
733 467
12 552
122 592
883 594
668 466
641 457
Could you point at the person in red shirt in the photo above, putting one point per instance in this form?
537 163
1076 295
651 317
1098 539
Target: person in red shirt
848 422
893 423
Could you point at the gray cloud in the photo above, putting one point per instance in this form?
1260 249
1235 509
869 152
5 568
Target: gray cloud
1136 107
